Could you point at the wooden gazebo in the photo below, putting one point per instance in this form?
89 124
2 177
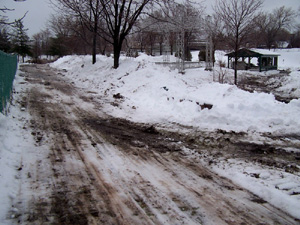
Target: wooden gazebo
266 60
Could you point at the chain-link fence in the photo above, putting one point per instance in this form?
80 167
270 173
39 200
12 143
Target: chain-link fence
8 68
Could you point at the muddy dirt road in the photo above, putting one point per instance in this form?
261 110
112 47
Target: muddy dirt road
268 83
103 170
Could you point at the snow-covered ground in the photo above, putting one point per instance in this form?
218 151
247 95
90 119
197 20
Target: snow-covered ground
151 93
16 147
156 94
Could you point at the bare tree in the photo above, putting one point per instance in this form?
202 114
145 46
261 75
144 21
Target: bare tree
59 26
295 38
37 46
119 17
237 16
41 43
89 14
113 20
187 19
270 24
215 29
172 19
151 30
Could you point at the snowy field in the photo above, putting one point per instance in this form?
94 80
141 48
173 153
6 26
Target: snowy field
142 91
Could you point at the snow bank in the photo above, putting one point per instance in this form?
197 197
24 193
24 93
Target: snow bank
291 84
156 94
9 164
16 156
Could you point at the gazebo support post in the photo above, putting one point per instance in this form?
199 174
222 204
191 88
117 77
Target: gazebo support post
229 59
260 63
249 62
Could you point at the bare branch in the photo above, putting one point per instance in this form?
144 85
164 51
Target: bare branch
270 24
237 17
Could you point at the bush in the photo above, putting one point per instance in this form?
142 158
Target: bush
202 55
188 55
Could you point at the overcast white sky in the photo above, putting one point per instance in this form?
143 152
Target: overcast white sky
40 10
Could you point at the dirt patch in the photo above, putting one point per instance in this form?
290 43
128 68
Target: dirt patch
267 84
138 137
128 134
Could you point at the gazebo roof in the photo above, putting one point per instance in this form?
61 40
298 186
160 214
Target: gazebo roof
244 52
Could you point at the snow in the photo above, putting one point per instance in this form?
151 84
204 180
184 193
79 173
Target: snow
265 52
291 84
289 59
9 164
273 186
156 94
16 147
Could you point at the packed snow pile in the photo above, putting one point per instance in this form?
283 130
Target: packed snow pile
9 163
291 84
143 91
17 153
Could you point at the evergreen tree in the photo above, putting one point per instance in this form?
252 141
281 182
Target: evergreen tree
57 46
5 44
20 40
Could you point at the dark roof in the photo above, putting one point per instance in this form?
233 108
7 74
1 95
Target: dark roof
244 52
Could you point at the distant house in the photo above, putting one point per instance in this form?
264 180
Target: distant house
264 59
282 44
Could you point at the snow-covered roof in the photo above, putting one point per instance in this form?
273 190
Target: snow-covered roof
245 52
265 52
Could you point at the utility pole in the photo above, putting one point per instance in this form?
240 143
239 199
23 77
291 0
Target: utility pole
180 51
209 47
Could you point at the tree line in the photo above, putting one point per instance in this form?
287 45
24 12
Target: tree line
111 26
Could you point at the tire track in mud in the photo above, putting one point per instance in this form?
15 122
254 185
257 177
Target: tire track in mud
112 171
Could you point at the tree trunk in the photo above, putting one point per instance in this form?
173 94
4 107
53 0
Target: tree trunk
236 55
94 50
160 48
235 71
117 51
235 65
141 47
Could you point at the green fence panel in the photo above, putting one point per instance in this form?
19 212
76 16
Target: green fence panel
8 68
